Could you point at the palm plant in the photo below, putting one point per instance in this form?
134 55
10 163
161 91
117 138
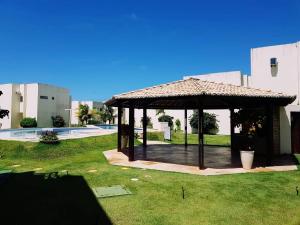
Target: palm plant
83 114
107 114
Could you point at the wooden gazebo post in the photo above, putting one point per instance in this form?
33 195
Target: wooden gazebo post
232 132
185 128
120 111
131 134
144 127
200 138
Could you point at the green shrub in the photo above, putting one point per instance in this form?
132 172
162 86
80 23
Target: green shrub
178 124
49 137
58 121
93 122
166 118
210 123
28 122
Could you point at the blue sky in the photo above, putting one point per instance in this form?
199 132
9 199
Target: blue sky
100 48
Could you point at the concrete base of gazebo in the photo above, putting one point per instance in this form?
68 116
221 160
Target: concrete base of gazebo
221 163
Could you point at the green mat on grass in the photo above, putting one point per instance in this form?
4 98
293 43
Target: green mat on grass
116 190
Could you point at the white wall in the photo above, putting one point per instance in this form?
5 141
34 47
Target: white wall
32 105
6 103
283 78
58 100
231 77
176 114
30 98
223 117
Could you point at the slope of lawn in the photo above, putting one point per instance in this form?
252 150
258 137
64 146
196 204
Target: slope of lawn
256 198
178 138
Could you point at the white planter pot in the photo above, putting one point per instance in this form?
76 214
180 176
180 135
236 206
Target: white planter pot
247 159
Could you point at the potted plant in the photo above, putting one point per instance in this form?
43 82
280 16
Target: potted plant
125 130
252 123
49 137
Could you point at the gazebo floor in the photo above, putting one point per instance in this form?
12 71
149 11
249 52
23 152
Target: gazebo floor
214 156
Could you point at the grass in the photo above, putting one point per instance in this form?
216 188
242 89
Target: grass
178 138
256 198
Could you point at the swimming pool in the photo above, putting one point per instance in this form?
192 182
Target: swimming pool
107 126
62 133
115 127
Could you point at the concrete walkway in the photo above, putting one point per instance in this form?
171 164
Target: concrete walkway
118 158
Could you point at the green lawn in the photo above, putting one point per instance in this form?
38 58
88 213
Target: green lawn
178 138
257 198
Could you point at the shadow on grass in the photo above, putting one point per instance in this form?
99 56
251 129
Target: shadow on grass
48 199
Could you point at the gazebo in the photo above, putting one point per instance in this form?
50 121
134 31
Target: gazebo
197 94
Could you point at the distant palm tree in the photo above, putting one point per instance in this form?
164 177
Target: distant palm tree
83 114
107 114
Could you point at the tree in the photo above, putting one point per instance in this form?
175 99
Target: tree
83 114
178 124
252 121
210 123
160 111
107 114
3 112
166 118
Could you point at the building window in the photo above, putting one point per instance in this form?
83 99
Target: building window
21 98
52 98
43 97
273 62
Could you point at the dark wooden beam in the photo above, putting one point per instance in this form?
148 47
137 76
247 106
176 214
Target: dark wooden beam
131 134
200 138
144 127
120 110
185 128
232 132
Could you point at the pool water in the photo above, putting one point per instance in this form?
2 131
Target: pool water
33 133
107 126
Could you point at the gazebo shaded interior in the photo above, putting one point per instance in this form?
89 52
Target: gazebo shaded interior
160 97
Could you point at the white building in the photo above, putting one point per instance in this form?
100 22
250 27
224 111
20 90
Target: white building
278 68
40 101
75 108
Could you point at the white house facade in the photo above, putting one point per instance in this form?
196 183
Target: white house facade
278 68
40 101
275 68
